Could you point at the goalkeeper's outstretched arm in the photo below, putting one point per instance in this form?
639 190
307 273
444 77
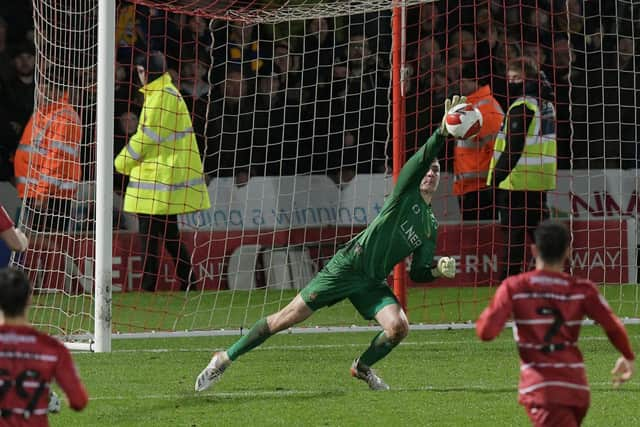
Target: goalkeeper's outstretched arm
417 166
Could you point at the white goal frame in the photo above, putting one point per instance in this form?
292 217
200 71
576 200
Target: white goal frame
104 149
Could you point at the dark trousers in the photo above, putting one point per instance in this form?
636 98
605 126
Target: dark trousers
155 231
477 205
51 217
520 213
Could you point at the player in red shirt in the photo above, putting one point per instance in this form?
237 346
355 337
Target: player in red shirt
547 306
30 360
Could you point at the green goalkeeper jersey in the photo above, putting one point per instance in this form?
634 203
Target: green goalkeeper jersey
405 225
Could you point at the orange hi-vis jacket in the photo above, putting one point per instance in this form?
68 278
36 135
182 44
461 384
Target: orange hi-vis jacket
48 157
471 157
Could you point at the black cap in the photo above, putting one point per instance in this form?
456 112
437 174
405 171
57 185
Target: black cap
24 47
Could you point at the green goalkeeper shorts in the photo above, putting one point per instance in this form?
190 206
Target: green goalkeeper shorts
338 280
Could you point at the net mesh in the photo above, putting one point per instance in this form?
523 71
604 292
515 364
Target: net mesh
290 109
286 116
54 166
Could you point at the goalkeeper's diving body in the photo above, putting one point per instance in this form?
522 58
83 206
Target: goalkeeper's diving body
406 225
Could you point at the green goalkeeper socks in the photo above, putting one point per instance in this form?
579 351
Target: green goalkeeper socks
256 336
379 348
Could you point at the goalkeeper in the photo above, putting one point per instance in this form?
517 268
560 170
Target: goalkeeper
406 225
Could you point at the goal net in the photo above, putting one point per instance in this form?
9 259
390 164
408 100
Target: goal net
290 109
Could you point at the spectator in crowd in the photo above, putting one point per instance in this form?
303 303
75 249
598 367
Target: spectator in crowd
195 35
622 119
243 47
193 79
130 32
11 120
165 172
558 73
492 54
31 360
268 133
426 91
47 162
12 236
342 159
125 126
19 15
523 166
125 84
287 66
547 307
318 55
291 144
431 22
471 157
21 86
229 131
5 59
359 105
462 44
8 145
141 27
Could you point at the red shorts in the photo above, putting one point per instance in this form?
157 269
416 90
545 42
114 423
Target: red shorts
555 415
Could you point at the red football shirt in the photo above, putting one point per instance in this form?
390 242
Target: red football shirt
5 220
547 310
29 361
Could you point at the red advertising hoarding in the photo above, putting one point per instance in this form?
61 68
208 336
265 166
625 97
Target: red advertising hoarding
604 251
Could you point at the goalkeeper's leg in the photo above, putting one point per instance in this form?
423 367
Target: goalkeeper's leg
395 328
295 312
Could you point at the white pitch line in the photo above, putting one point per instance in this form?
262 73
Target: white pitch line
318 392
319 346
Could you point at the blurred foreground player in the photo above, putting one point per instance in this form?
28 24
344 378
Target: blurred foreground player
547 307
30 360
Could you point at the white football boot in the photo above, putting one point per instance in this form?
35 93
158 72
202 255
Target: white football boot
212 373
54 403
366 374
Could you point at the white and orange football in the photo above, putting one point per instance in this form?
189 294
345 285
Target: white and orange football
463 121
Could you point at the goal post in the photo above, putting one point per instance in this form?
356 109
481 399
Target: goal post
303 113
104 176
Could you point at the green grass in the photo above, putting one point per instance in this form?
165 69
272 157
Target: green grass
438 378
166 311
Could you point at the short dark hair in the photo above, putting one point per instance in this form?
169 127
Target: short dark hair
15 289
154 64
552 240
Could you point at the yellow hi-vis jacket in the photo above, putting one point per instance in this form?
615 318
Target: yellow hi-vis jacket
162 158
536 169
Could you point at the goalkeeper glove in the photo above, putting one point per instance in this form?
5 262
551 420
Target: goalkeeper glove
448 105
446 267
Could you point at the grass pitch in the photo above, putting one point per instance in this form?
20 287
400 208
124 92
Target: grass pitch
438 378
59 313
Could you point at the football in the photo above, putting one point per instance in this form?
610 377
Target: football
463 121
